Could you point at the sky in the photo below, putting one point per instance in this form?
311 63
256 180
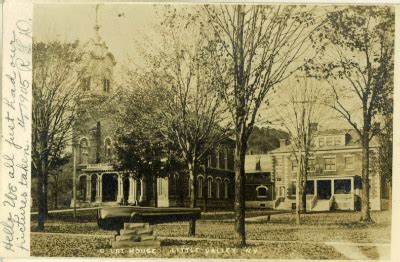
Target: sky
121 25
124 27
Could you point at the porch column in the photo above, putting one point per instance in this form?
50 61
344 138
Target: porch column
141 190
99 191
88 188
332 187
315 187
132 190
120 194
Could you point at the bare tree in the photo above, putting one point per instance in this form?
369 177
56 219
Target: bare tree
180 69
357 54
256 47
55 98
59 179
300 113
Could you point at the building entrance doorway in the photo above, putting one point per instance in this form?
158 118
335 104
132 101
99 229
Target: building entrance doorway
126 190
110 186
324 189
94 188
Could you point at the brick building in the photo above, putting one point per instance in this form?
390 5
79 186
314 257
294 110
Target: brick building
99 183
334 174
215 182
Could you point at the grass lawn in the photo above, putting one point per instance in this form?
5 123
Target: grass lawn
306 241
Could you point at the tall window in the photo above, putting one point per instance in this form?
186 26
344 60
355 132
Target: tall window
218 188
217 156
349 162
82 187
226 158
84 148
293 188
86 84
107 147
330 163
106 85
200 186
226 188
209 187
294 165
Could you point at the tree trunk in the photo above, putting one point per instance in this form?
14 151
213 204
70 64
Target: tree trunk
240 180
40 203
45 188
304 197
42 179
193 196
240 130
298 185
365 204
55 199
303 189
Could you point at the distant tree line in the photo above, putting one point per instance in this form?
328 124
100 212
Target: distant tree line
264 139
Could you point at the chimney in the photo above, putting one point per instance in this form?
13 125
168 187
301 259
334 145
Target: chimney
282 142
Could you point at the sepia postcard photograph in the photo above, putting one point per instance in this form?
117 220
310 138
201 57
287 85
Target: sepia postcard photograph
199 130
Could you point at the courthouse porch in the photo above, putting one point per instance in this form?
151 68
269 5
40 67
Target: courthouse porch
100 184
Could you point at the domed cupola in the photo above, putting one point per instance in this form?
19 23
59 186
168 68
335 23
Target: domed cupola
99 64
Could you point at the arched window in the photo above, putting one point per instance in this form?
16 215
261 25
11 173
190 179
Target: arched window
217 157
106 85
209 187
86 83
107 147
200 186
226 188
84 151
262 191
218 183
225 158
82 187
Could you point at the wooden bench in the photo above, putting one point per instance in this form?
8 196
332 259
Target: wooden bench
113 218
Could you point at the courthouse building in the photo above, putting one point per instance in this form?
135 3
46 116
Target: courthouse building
100 183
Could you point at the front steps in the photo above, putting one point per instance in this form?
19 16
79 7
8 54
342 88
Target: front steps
135 235
321 205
